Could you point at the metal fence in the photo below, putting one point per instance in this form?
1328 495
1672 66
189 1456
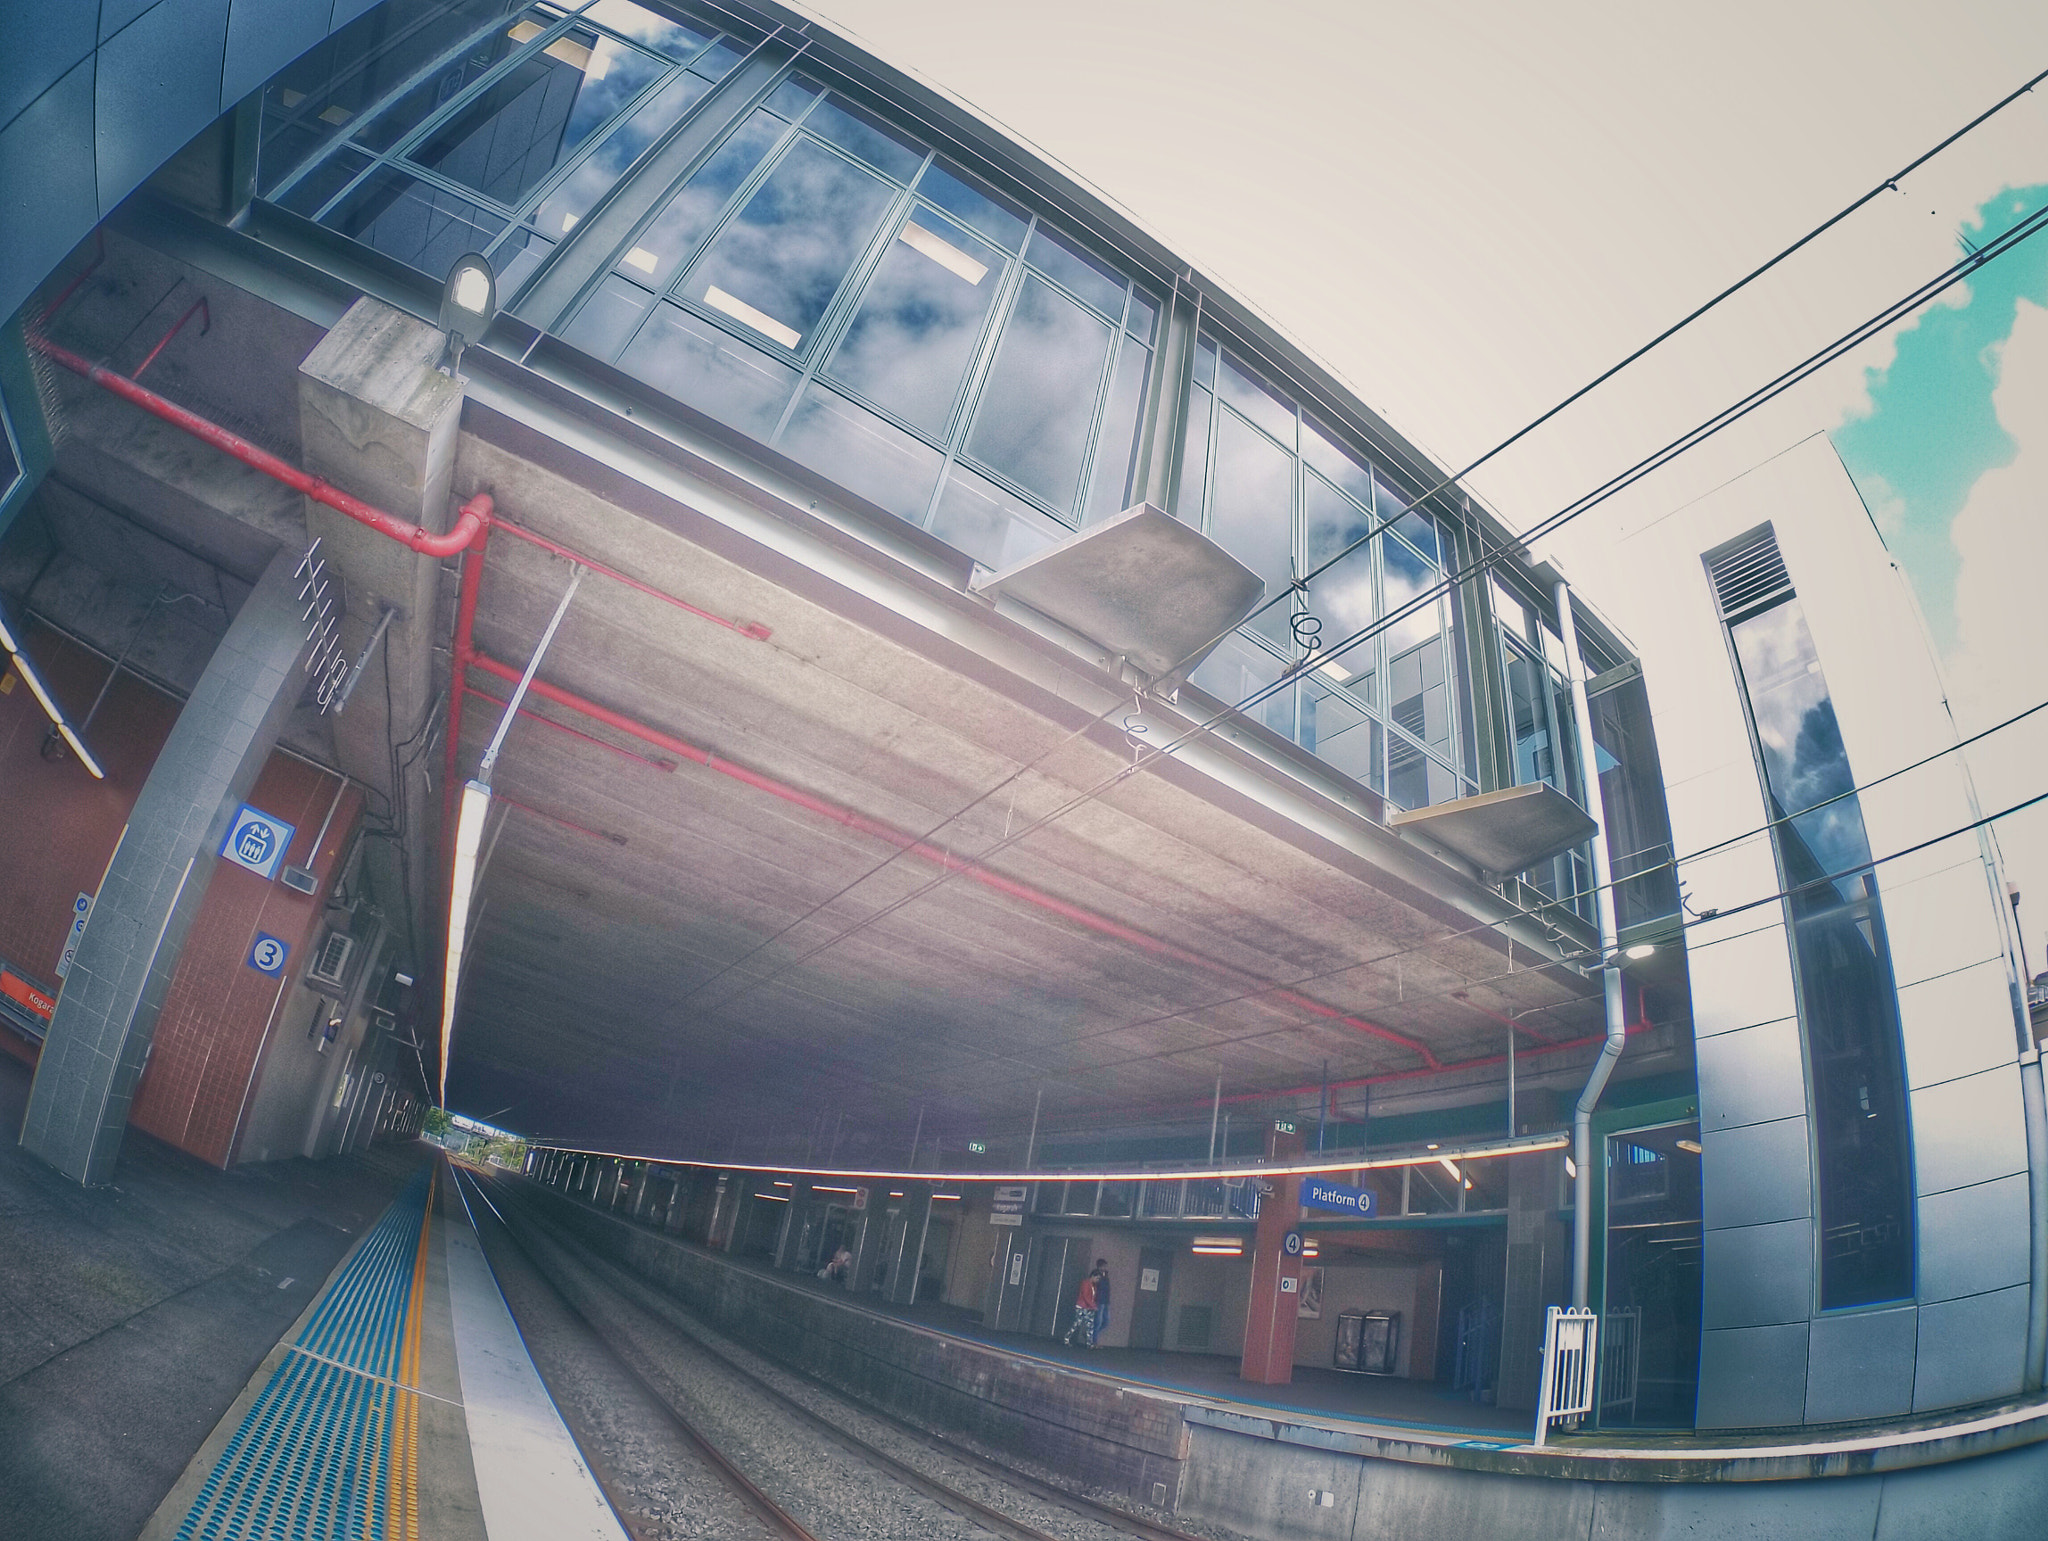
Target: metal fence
1571 1337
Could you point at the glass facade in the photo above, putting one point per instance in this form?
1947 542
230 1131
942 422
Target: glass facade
1848 1006
822 280
1542 740
1277 490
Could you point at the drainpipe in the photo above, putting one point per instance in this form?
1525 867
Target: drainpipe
1610 971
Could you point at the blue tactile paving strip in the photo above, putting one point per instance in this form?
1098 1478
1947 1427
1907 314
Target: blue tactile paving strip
325 1451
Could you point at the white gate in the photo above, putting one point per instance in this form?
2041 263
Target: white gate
1570 1344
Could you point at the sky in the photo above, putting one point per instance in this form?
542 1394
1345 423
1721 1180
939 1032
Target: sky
1468 211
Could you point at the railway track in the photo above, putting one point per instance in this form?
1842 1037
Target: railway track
538 1240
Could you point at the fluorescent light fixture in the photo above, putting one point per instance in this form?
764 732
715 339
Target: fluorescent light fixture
823 1188
404 979
568 223
780 1198
896 1195
1336 671
783 1182
1571 1167
1450 1166
525 31
336 115
943 252
1693 1146
639 257
289 97
1209 1249
1640 950
746 315
469 834
937 1196
1311 1249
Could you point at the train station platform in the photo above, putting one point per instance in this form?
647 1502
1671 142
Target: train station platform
1330 1456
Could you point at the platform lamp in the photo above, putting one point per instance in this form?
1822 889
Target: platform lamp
61 732
469 304
469 829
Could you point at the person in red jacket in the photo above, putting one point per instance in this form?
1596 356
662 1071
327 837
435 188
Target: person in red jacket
1084 1314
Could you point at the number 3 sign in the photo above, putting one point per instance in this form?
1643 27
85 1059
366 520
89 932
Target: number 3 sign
268 954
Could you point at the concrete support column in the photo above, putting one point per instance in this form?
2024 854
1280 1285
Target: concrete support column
1275 1304
872 1235
796 1220
907 1230
106 1016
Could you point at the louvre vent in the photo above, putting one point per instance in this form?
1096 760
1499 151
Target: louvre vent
330 964
1748 573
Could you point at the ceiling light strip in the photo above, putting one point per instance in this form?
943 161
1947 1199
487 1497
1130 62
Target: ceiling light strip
1322 1168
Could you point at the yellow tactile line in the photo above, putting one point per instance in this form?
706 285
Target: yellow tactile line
402 1514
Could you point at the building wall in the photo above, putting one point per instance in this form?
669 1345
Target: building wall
1768 1355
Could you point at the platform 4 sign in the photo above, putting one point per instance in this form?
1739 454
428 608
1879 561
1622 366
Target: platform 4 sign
1318 1194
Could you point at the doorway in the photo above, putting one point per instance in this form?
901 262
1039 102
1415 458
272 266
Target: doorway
1148 1300
1650 1308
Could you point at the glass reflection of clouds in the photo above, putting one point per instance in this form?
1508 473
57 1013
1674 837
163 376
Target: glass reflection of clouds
910 343
786 252
1250 508
1035 413
668 241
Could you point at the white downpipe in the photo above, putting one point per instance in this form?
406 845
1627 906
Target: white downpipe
1610 971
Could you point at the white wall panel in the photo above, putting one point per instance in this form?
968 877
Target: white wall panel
1752 1377
1741 973
1940 921
1969 1130
1973 1240
1971 1350
1757 1275
1753 1075
1755 1174
1859 1364
1958 1024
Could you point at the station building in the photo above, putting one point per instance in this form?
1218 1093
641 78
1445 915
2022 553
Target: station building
852 461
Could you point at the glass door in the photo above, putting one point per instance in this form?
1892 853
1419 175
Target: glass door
1650 1314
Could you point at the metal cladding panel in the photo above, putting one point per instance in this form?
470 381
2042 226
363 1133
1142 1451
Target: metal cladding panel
37 57
1969 1130
1938 922
1859 1364
158 85
1739 982
1755 1075
1971 1350
47 203
1757 1275
1973 1240
116 14
266 35
1756 1174
1753 1377
1958 1024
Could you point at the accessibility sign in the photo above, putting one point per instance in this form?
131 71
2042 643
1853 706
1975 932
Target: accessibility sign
1318 1194
268 953
257 841
81 911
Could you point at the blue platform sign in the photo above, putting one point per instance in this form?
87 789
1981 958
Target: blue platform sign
268 953
257 841
1317 1194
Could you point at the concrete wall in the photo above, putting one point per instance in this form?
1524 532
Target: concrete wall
1769 1356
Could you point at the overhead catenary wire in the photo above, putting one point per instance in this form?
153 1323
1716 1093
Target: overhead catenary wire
1890 183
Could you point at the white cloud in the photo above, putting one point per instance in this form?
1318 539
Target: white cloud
2000 662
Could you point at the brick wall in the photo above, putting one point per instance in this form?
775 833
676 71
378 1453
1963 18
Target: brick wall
204 1060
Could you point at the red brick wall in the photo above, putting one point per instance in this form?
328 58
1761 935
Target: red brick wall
58 825
203 1060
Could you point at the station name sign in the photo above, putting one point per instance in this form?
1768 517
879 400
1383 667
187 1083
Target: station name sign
1317 1194
1006 1204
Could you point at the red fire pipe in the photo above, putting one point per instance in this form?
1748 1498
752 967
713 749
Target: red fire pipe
668 767
936 855
753 629
177 326
472 518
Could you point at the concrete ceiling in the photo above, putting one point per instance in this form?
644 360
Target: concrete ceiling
667 957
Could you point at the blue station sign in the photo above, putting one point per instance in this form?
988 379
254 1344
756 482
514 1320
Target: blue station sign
1318 1194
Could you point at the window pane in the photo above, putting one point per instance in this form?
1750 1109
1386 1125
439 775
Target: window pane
716 62
867 136
416 224
1082 274
1205 363
1251 513
643 26
1632 795
705 368
609 318
1847 996
1244 392
973 204
311 192
520 128
560 211
1236 670
784 255
792 99
515 261
1194 460
1142 318
1342 598
1529 712
1418 677
322 93
994 527
445 84
1337 729
1119 436
1414 780
675 232
1320 450
864 454
915 333
1035 412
